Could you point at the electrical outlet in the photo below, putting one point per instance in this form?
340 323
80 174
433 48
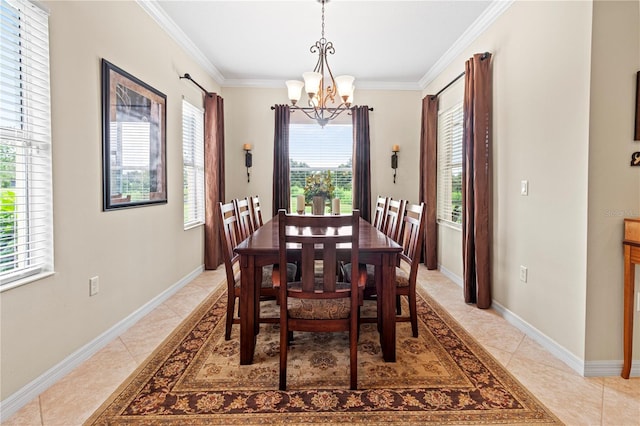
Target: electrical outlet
94 286
523 274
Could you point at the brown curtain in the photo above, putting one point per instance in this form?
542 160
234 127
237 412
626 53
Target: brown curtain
361 161
429 177
214 177
281 190
476 181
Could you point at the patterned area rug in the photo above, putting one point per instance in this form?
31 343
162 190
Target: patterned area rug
441 377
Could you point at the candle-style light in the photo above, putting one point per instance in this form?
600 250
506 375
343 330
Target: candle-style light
248 159
394 160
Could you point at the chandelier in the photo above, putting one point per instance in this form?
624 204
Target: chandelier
321 87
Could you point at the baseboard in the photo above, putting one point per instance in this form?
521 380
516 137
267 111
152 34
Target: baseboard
584 368
19 399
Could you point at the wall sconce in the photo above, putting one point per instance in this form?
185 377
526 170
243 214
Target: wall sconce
394 160
247 159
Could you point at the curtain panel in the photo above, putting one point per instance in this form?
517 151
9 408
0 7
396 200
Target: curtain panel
477 181
361 161
429 177
281 189
214 177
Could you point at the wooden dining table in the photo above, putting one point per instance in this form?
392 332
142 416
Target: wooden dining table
261 249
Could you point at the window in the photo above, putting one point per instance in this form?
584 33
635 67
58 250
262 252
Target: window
334 159
26 234
193 164
450 125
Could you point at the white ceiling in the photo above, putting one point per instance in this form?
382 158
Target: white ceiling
394 44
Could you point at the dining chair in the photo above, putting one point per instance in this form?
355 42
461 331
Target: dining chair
407 271
256 212
245 221
393 218
230 238
380 212
318 302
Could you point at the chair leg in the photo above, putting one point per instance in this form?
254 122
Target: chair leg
398 305
284 343
231 300
353 356
413 313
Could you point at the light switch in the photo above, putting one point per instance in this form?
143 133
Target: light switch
524 187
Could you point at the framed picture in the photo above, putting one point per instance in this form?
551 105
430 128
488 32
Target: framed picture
637 133
134 117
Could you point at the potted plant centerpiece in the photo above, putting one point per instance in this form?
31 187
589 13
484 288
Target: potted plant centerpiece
318 189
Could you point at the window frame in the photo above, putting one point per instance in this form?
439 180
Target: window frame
193 143
449 148
335 170
25 134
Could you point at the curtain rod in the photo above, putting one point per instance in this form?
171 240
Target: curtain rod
188 77
484 56
310 108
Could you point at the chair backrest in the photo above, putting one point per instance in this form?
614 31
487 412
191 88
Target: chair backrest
256 212
393 222
229 236
382 203
318 235
245 221
412 237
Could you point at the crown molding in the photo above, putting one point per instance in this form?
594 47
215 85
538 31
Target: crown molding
362 85
480 25
171 28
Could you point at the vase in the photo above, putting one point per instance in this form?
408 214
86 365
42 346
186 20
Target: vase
317 207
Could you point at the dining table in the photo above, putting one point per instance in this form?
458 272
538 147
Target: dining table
261 249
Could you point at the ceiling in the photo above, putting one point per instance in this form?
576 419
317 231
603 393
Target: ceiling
384 44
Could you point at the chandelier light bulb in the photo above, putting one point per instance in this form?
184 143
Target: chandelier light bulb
312 83
294 87
345 86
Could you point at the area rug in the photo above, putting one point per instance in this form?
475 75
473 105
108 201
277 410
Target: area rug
442 377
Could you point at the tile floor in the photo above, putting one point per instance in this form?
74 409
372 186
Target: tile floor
574 399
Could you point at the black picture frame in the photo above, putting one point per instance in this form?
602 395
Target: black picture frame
134 141
637 132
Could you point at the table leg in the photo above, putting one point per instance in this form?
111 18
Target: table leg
247 309
388 306
629 281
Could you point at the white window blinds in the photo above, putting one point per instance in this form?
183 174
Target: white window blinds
193 164
26 235
450 126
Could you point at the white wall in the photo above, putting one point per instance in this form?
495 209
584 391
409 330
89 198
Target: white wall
249 119
137 253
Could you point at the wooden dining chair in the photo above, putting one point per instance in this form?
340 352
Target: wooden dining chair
245 221
256 212
407 271
380 212
393 218
230 237
318 302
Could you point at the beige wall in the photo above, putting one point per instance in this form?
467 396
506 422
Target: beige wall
249 119
563 120
613 185
137 253
541 98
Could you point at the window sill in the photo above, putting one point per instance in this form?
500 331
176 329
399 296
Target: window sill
26 280
455 226
192 225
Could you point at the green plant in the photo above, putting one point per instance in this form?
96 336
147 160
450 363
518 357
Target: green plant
318 185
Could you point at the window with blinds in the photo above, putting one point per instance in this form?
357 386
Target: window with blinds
450 126
325 151
26 234
193 164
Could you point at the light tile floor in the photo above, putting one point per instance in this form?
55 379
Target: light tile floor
576 400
